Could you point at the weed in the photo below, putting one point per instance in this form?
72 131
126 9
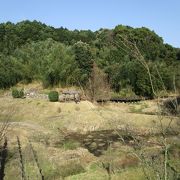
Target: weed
70 144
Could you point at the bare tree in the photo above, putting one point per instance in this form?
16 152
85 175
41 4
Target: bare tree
98 87
162 171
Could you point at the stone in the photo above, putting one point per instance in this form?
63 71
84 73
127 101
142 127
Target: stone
101 144
87 143
102 135
93 145
100 140
90 136
87 140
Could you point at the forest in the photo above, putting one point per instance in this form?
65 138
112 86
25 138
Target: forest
83 104
31 50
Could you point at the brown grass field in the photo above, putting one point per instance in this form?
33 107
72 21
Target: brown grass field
42 128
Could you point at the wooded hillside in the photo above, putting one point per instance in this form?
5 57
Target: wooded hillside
34 51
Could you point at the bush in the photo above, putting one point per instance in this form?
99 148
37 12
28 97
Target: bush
124 93
53 96
17 93
71 144
21 93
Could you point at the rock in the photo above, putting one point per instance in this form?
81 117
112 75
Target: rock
101 144
87 140
87 143
102 135
90 136
100 140
99 150
93 146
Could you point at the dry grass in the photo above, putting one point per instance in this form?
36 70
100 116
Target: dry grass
84 116
39 121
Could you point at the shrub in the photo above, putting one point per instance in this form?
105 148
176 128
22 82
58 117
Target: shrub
17 93
21 93
70 144
53 96
124 93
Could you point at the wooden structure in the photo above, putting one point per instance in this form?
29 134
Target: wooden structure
123 100
70 95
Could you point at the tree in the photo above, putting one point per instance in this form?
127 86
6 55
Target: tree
162 169
84 60
48 61
98 87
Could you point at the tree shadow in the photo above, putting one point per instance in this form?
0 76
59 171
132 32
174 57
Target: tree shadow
3 158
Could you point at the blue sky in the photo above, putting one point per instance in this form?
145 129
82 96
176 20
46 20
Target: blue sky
162 16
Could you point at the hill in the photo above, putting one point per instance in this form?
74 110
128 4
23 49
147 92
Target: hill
57 56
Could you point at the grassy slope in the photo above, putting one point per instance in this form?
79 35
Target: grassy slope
39 121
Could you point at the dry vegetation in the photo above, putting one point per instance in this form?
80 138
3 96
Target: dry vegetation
48 140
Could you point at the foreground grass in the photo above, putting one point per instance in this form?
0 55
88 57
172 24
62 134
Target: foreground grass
100 174
83 116
41 121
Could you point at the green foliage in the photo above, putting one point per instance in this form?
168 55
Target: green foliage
126 92
49 61
83 58
10 71
149 43
17 93
53 96
70 144
57 56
